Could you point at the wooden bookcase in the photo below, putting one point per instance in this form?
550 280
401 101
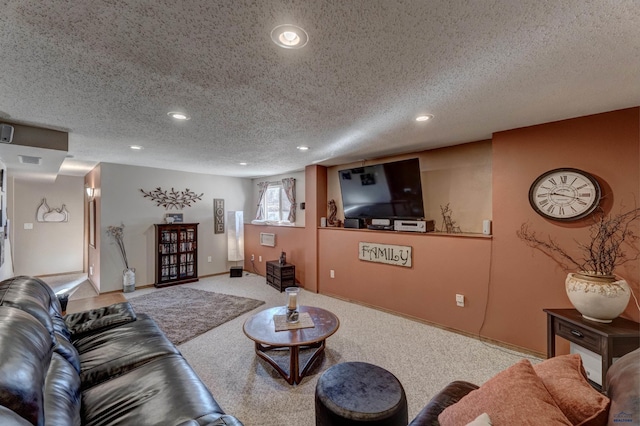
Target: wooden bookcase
177 255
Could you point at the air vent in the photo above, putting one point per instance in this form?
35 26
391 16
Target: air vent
27 159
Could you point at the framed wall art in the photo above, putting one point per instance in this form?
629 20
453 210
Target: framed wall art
92 223
174 217
218 216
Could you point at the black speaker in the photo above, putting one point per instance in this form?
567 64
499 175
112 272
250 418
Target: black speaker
354 223
235 271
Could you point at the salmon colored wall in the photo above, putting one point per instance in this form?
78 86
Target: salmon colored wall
442 266
522 282
500 274
525 281
288 239
316 207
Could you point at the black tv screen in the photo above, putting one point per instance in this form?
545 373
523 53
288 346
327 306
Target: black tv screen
388 190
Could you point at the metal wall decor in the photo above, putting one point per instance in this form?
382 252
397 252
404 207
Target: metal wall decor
172 199
218 216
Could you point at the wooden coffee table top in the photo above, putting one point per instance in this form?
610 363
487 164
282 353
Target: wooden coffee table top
261 328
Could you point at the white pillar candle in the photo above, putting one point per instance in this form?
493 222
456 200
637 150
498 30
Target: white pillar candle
293 300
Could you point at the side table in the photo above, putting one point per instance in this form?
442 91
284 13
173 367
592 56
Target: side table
281 276
609 340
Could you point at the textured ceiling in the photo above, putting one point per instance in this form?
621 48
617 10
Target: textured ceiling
109 71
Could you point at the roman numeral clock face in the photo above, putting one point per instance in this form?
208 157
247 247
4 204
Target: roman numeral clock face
564 194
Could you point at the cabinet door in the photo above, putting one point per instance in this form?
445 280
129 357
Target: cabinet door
167 254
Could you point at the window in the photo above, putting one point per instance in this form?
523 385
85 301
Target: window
275 204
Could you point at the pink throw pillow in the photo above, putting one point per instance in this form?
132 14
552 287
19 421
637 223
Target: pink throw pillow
515 396
566 381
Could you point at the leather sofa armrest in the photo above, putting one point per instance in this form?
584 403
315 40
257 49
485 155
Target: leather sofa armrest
82 323
451 394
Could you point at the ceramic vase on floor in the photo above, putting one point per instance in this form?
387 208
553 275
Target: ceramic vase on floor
129 280
598 298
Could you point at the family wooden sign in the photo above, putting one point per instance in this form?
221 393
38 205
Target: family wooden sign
385 253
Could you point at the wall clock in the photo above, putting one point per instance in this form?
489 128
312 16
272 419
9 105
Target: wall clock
565 194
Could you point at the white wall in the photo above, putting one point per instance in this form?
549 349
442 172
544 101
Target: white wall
122 202
48 248
6 270
300 195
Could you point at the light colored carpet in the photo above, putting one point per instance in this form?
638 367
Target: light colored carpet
183 313
422 357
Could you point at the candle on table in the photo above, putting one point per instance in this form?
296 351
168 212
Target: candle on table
293 302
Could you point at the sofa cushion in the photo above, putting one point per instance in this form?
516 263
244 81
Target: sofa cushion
163 391
515 396
565 379
114 351
62 393
623 380
25 353
87 322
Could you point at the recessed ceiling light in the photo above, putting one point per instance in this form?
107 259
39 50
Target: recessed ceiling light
303 148
425 117
136 147
243 164
289 36
179 115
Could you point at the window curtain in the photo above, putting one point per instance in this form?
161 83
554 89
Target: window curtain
289 186
262 189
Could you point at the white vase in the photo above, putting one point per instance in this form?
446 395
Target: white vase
597 298
129 280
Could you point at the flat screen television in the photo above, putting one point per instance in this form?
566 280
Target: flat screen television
389 190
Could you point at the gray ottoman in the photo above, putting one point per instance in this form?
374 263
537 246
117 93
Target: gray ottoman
354 393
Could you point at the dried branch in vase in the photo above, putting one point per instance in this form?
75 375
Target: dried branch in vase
611 241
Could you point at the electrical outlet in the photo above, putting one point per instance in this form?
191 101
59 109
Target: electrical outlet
259 258
209 259
91 270
460 300
253 258
332 273
28 226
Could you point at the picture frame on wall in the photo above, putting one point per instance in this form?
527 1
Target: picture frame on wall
218 216
92 223
174 218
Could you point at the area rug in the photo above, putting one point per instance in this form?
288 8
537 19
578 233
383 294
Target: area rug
184 313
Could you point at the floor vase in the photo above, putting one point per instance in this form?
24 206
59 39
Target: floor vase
129 280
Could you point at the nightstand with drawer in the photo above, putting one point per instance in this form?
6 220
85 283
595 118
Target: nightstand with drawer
597 343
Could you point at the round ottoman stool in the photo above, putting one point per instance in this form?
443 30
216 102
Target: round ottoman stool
354 393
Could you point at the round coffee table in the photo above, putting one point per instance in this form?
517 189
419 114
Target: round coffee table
261 329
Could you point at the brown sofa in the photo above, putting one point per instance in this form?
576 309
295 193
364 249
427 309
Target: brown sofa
555 391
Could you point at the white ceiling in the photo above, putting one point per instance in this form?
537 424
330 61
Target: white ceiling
109 71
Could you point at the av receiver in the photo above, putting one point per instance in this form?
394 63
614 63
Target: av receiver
414 225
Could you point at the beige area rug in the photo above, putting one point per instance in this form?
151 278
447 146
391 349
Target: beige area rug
184 313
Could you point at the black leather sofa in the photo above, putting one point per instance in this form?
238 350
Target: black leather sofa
101 367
